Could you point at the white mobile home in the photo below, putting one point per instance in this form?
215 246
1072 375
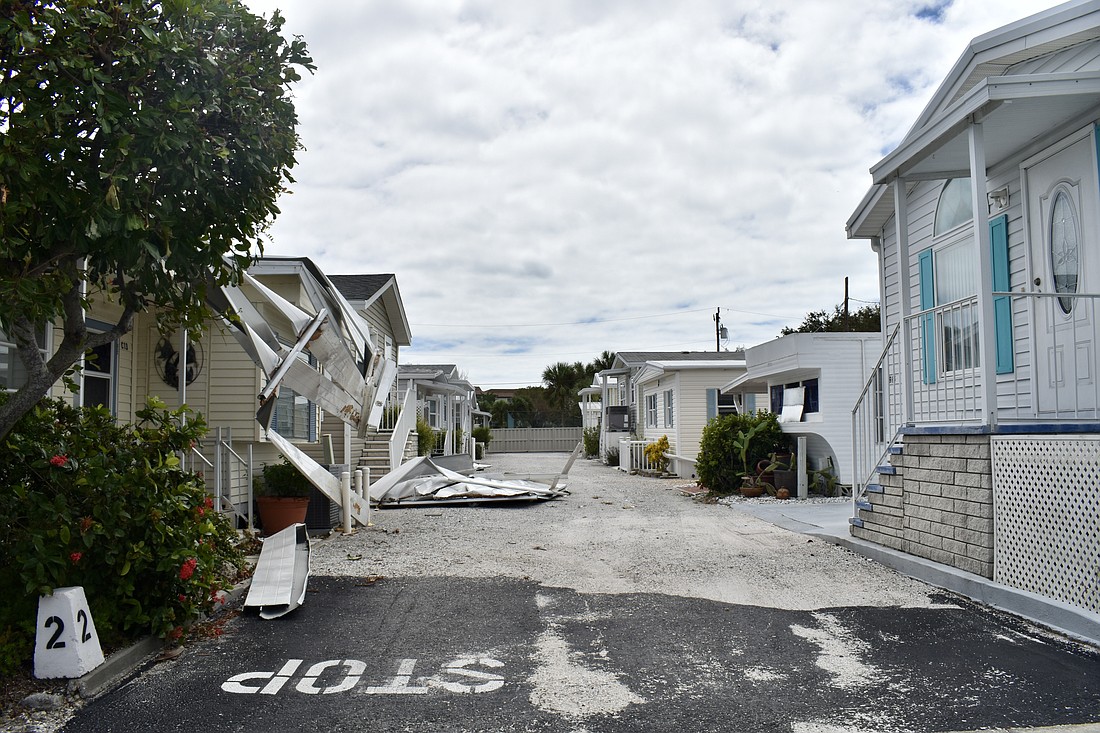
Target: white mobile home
812 380
977 434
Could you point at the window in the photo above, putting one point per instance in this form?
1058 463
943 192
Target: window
956 269
651 410
295 416
812 401
775 392
99 370
670 420
99 376
1064 248
13 374
948 273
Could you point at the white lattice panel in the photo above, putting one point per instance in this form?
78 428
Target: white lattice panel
1046 509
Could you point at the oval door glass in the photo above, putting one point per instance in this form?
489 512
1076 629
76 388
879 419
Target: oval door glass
1064 248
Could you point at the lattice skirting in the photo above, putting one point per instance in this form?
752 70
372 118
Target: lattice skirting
1046 509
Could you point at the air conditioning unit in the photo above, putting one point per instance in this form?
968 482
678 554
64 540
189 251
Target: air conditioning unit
617 419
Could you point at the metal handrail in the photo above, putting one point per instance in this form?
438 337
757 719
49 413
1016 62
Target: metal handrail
877 382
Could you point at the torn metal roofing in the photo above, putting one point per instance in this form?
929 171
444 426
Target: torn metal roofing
422 482
279 582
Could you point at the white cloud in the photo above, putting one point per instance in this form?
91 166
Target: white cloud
518 164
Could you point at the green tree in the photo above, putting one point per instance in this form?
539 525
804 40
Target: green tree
562 381
864 319
144 146
606 360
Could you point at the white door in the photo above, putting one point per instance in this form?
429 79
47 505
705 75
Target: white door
1063 224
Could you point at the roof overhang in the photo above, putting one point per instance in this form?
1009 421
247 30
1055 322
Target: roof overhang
748 383
1014 112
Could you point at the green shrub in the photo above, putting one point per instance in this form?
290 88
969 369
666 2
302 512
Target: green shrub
718 464
591 442
612 456
282 479
90 503
483 434
425 438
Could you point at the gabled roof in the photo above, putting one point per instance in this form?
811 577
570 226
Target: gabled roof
992 83
360 287
363 290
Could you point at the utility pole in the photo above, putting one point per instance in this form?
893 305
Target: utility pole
847 324
717 329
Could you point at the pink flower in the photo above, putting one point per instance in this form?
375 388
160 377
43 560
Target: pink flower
183 598
59 460
74 558
188 568
209 503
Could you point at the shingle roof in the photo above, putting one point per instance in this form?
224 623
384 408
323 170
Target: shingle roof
360 287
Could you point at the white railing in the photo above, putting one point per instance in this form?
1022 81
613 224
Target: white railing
231 482
878 414
945 369
1057 339
632 456
394 407
402 428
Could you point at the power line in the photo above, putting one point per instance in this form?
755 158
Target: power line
588 322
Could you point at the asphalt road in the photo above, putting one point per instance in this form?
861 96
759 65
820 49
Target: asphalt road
625 607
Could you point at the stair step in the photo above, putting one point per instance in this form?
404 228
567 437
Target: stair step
865 505
897 450
887 470
855 521
875 489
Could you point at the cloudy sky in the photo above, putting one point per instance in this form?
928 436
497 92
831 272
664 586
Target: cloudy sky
549 179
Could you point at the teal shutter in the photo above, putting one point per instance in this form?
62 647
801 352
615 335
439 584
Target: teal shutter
712 403
1002 304
928 320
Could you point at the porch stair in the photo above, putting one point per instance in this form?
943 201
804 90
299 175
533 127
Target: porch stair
376 453
878 510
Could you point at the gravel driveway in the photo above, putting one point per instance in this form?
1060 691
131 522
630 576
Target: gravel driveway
618 533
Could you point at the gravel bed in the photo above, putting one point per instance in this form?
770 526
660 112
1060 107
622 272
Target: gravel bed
617 533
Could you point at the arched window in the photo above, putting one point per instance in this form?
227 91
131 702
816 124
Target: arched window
955 206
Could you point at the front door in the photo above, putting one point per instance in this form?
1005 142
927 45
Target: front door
1063 222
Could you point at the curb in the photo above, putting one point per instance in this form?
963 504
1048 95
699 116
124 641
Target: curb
123 662
1069 620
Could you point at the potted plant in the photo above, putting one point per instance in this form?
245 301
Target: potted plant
282 496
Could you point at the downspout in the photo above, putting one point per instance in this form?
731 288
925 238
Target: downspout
987 345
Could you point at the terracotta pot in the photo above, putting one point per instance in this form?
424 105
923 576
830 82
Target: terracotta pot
751 490
782 493
279 512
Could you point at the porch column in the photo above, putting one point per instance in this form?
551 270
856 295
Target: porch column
987 335
901 232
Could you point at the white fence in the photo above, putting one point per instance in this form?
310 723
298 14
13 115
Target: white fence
535 440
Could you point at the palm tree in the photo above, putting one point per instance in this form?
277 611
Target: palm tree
561 383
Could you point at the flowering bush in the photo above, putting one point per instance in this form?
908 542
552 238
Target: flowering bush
655 453
110 508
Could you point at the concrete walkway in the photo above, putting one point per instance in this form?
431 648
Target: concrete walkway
830 522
